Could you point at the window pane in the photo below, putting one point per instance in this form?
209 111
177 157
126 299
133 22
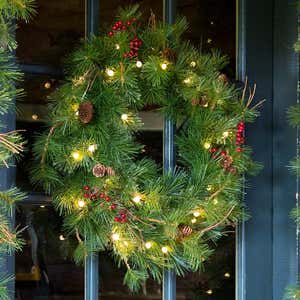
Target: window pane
53 32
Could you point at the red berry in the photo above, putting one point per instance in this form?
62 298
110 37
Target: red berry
107 198
86 188
239 150
93 196
128 23
123 27
224 153
110 33
242 124
113 206
117 219
86 195
114 27
213 150
119 22
102 196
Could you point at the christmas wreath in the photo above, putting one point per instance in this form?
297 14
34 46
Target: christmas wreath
88 161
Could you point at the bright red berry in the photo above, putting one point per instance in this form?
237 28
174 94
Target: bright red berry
224 153
86 188
102 196
110 33
239 150
107 198
117 219
113 206
86 195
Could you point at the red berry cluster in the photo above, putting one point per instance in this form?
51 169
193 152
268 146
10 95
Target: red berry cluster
121 26
94 193
216 152
240 139
122 218
134 48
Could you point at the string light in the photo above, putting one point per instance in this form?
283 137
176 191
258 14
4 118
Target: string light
124 117
225 134
196 214
61 238
139 64
81 203
117 46
193 64
206 145
34 117
148 245
215 201
194 220
164 250
115 236
110 72
187 80
42 206
92 148
125 243
209 188
209 292
77 155
137 198
227 275
209 41
47 85
164 66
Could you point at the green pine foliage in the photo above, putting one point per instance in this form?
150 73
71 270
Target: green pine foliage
149 221
11 143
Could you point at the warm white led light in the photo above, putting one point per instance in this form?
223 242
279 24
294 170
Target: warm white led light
206 145
194 220
92 148
137 199
227 275
164 66
225 134
81 203
209 292
34 117
139 64
110 72
148 245
77 155
61 238
117 46
164 250
193 64
124 117
115 236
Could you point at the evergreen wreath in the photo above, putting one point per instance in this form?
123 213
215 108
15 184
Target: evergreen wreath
88 159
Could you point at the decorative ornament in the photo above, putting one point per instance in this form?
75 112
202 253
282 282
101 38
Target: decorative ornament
86 112
169 55
184 231
99 170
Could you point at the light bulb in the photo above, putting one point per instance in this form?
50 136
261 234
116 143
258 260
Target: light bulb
194 220
209 292
34 117
196 214
227 275
225 134
110 72
115 236
148 245
124 117
92 148
164 250
187 80
42 206
77 113
215 201
137 199
206 145
77 155
61 238
164 66
125 243
139 64
209 188
47 85
81 203
117 46
193 64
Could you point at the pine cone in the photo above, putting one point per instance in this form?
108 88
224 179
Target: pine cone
170 54
86 112
99 170
184 231
223 77
110 171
